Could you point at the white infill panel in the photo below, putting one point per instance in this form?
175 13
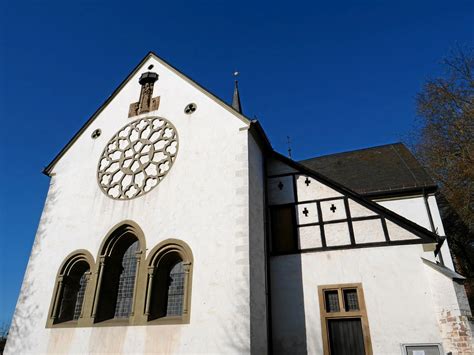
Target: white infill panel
357 210
333 210
311 189
337 234
276 167
280 190
307 213
368 231
310 237
396 232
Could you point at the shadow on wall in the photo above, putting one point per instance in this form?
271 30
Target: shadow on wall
288 311
27 315
237 330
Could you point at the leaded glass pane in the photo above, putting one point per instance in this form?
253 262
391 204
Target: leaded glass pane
80 296
332 301
123 306
174 305
351 303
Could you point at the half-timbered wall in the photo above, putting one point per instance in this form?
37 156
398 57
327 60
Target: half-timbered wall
325 218
336 234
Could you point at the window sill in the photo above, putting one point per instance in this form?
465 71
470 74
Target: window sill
114 322
121 323
168 320
65 324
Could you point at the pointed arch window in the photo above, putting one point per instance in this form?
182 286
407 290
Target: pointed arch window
71 283
169 283
118 275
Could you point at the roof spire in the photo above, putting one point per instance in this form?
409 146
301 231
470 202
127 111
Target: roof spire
236 98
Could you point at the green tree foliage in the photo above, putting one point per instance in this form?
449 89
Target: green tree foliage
445 145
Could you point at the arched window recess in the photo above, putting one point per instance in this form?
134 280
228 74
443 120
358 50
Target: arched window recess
67 304
168 288
118 274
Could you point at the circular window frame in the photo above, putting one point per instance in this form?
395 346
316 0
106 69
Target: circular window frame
171 158
96 133
190 108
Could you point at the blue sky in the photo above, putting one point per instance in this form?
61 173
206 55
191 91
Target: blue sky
334 76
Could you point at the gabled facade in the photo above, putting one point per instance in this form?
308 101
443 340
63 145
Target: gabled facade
171 226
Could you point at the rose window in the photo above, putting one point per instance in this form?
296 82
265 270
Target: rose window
137 158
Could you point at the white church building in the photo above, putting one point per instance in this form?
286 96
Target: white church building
171 226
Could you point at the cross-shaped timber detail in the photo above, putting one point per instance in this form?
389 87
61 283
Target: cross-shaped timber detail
333 208
307 181
146 103
280 185
305 212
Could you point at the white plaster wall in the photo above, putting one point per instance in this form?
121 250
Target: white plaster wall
414 209
438 224
203 201
313 190
280 190
452 311
276 167
397 295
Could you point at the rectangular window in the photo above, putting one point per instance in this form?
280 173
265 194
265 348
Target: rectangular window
344 323
283 229
422 349
332 301
351 301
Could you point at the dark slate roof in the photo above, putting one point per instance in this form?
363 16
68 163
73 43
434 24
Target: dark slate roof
383 170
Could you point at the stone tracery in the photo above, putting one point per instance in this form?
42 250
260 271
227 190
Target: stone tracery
137 158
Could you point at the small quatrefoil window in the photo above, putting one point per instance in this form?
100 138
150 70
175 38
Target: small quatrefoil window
190 108
96 133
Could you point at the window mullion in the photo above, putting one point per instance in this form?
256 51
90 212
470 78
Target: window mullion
58 297
99 285
340 297
138 258
151 274
186 267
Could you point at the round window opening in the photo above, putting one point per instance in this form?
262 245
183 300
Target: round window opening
96 134
137 158
190 108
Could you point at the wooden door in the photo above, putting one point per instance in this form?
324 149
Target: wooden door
345 336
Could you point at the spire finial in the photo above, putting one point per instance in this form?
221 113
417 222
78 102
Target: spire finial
236 105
